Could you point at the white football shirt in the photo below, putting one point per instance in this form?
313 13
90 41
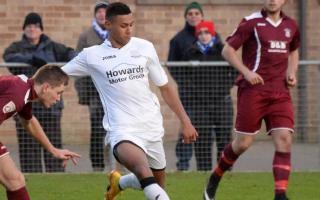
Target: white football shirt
121 78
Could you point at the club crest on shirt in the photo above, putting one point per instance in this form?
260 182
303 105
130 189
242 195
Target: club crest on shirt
287 32
9 107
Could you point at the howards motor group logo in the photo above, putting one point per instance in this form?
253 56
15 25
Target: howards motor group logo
124 72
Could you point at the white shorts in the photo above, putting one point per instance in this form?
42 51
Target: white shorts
153 149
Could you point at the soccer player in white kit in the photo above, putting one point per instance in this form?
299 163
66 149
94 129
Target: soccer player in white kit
120 69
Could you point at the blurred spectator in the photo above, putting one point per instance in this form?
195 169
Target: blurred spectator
37 49
186 37
87 92
178 44
208 95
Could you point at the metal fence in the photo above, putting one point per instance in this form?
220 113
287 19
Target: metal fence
207 92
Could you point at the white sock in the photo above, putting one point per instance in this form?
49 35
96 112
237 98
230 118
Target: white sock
129 181
155 192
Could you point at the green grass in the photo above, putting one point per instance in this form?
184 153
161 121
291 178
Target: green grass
180 186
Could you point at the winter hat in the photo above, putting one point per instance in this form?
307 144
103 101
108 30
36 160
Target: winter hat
100 4
206 24
33 18
193 5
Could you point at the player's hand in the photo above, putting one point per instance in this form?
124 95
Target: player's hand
291 80
253 78
66 155
189 133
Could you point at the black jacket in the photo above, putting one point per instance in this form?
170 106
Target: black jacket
205 85
180 42
37 55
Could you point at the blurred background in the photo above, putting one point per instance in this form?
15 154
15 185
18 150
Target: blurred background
158 21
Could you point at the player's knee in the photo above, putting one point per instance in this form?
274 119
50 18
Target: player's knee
241 143
283 143
241 146
15 181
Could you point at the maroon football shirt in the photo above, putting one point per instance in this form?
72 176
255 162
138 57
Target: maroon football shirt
266 46
16 93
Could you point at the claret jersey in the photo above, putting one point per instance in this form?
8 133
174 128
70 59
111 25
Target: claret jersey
121 78
266 46
16 95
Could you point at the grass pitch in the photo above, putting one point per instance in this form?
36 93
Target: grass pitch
180 186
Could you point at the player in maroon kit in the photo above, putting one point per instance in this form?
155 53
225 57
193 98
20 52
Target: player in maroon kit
16 96
270 42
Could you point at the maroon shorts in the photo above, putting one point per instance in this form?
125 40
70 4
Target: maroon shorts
3 150
275 108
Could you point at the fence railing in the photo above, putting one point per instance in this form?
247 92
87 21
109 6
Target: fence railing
168 63
209 103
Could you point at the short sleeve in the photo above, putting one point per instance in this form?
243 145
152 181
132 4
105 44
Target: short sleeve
295 43
240 35
156 71
26 112
77 66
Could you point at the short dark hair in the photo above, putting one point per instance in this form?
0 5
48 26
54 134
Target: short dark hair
117 8
100 4
51 74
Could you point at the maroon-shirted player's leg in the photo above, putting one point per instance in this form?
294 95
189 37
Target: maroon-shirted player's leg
20 194
229 155
11 178
282 162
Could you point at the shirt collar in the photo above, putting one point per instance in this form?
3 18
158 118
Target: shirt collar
275 24
108 44
33 95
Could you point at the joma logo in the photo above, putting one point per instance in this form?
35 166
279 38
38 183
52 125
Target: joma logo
108 57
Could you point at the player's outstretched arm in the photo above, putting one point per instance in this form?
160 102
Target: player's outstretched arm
229 53
292 68
34 128
171 97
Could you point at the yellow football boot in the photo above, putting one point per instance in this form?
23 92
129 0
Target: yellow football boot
113 189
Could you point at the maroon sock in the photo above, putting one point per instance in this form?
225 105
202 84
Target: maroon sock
226 161
20 194
281 171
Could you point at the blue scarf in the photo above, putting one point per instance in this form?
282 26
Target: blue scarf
204 48
103 34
